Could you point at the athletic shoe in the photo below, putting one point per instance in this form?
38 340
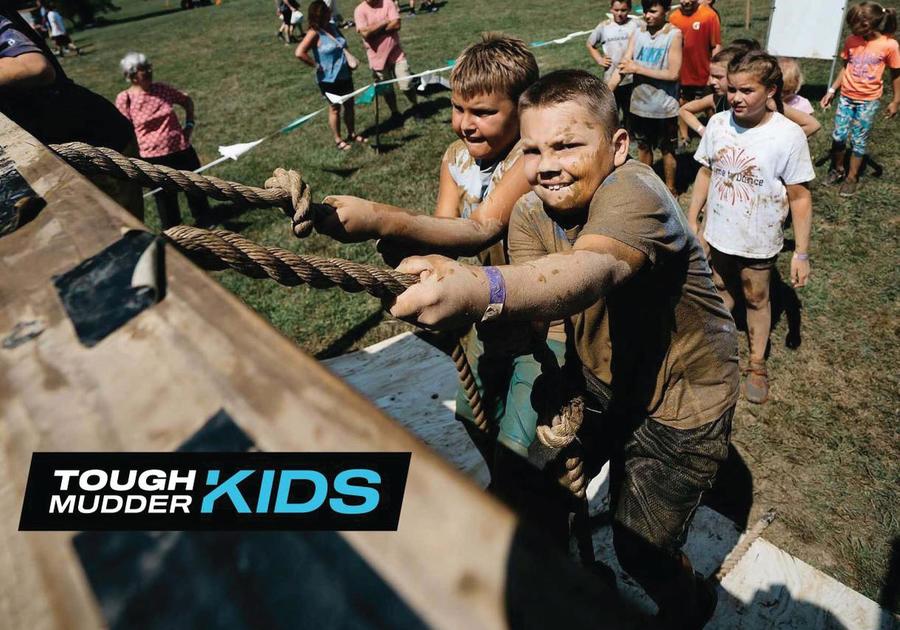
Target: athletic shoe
834 177
848 188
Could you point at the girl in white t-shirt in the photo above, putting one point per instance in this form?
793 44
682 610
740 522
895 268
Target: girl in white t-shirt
755 168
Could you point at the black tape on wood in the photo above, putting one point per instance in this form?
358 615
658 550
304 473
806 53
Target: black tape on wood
19 204
107 290
235 580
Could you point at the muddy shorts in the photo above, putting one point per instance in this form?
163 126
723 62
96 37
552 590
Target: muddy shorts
655 133
694 92
658 475
722 262
506 383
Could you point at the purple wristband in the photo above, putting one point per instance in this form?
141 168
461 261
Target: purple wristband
497 297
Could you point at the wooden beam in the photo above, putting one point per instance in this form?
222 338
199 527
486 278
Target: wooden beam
153 382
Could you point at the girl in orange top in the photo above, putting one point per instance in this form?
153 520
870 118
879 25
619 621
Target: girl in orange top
866 52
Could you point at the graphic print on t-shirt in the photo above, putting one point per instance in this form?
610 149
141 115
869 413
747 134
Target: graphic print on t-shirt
738 176
866 67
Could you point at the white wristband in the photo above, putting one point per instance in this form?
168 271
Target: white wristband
831 90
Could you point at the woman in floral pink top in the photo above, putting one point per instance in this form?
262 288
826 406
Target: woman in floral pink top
161 138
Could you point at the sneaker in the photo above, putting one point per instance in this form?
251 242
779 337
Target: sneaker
756 385
834 177
848 188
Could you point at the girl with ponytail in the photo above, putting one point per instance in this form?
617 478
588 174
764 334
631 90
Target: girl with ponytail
755 168
866 52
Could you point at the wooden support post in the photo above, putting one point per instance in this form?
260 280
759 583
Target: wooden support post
748 15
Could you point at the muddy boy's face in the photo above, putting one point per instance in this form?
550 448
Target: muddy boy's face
566 154
487 123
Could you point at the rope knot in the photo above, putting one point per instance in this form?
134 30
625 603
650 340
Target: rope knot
564 425
291 182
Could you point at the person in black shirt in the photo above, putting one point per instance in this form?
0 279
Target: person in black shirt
36 94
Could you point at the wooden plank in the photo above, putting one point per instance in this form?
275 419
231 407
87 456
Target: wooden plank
772 589
153 382
416 384
768 588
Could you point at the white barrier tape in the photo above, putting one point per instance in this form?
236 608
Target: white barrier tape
234 151
338 100
562 40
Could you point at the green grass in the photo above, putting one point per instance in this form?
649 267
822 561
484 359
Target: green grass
824 450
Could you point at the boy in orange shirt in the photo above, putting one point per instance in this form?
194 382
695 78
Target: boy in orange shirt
700 28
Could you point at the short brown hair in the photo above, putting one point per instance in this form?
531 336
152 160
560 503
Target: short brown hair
498 63
564 86
735 49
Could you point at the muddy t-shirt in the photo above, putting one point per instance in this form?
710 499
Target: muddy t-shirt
533 234
750 169
674 344
475 180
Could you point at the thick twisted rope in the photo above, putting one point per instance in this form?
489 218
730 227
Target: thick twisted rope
741 549
564 426
285 189
219 249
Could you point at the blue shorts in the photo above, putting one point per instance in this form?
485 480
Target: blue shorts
854 119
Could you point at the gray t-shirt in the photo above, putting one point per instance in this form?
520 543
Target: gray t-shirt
653 98
612 39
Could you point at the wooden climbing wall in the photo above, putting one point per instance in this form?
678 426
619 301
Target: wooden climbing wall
199 370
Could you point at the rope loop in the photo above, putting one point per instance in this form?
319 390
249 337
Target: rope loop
291 182
564 425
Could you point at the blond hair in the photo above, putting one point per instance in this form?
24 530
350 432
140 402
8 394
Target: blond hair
793 75
497 64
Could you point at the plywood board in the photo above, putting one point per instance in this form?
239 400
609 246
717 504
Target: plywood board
806 29
152 383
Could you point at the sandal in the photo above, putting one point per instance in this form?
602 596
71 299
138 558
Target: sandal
756 384
341 145
357 138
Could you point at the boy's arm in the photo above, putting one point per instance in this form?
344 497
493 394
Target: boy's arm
800 199
807 123
671 73
715 36
601 60
358 220
629 52
698 198
450 293
448 194
25 71
688 112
